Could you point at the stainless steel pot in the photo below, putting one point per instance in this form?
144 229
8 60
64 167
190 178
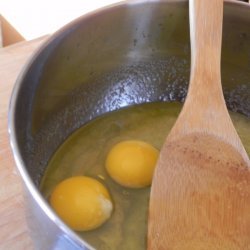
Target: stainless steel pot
129 53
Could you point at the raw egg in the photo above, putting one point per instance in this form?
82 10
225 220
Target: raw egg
131 163
82 202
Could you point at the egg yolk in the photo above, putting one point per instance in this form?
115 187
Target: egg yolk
82 202
131 163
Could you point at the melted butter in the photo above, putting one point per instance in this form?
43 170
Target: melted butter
84 153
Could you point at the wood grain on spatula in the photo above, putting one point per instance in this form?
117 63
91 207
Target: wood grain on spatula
200 195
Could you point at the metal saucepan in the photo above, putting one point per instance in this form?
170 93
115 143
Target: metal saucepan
130 53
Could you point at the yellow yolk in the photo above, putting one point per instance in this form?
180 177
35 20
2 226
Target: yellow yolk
132 163
82 202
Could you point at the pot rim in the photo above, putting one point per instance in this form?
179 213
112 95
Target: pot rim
29 184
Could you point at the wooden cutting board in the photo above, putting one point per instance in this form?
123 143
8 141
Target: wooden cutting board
14 233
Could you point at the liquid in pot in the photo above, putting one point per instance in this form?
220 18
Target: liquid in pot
85 151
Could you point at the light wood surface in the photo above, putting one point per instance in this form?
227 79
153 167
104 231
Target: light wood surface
14 233
200 195
8 33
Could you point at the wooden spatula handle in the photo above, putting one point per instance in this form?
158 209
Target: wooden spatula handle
206 19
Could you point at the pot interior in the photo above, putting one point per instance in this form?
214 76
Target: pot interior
125 55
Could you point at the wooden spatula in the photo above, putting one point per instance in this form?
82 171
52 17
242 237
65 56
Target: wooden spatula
200 195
